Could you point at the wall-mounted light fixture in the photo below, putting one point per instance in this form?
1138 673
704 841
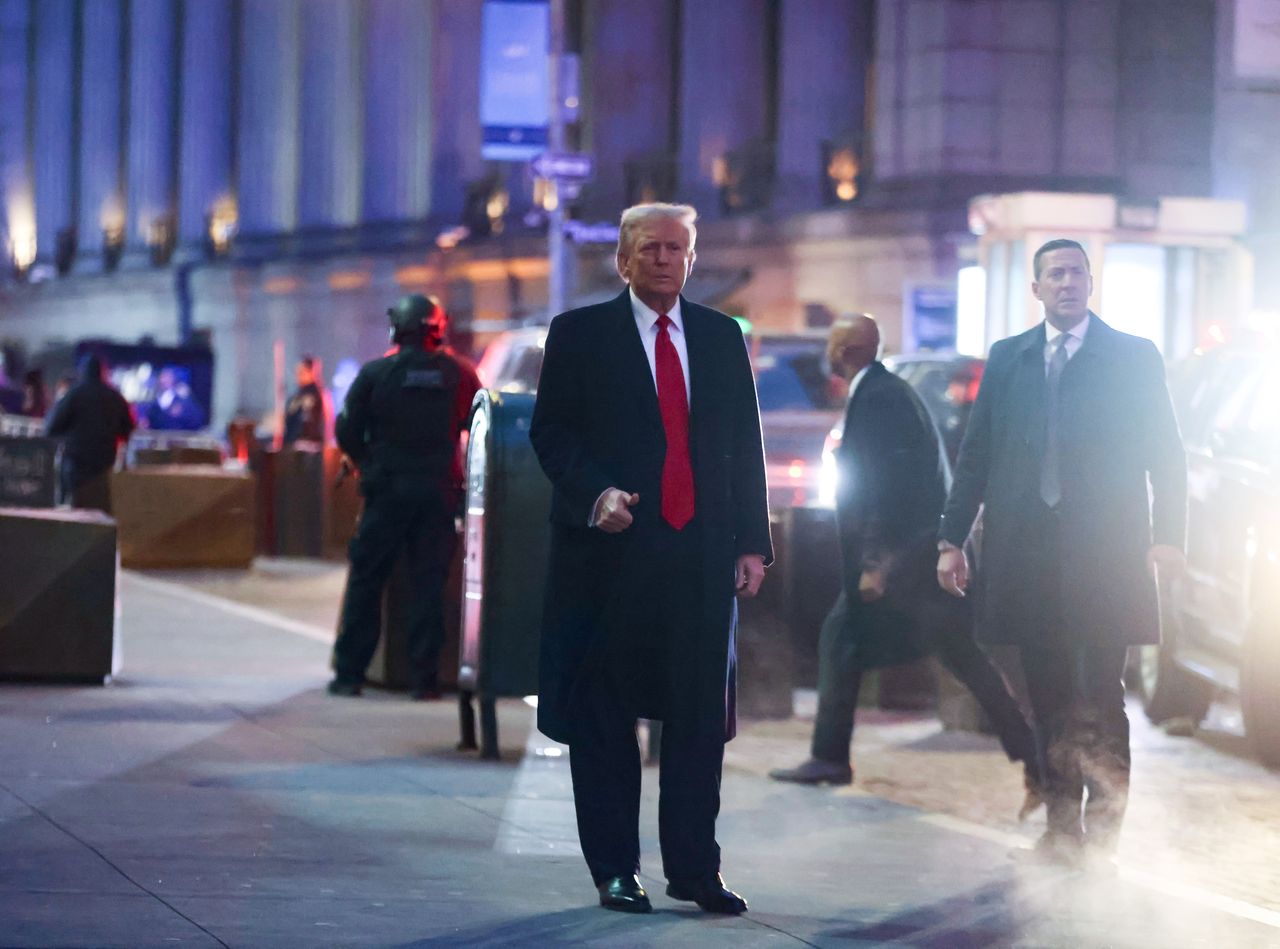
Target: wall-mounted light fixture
112 222
842 170
224 220
22 251
161 239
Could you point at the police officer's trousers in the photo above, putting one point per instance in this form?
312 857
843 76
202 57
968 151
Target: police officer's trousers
400 518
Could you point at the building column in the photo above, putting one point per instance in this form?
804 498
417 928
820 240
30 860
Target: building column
53 124
267 160
330 119
628 88
101 125
17 207
723 98
153 89
456 134
397 110
208 84
819 105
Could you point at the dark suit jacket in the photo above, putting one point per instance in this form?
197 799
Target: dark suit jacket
1118 436
893 482
596 425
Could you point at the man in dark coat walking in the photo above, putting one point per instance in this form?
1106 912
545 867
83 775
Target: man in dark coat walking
893 479
94 420
1073 450
647 425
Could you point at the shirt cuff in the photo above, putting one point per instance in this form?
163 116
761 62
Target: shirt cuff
594 518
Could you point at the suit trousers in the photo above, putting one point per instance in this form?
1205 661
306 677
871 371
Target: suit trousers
940 628
408 519
639 675
1077 695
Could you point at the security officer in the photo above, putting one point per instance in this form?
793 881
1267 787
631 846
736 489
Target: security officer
400 426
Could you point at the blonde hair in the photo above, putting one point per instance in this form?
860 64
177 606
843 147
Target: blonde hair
637 214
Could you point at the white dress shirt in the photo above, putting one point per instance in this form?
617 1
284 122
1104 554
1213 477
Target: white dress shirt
647 324
1073 342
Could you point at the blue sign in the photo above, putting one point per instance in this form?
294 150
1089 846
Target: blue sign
932 317
515 83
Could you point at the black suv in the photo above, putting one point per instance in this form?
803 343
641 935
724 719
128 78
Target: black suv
1222 620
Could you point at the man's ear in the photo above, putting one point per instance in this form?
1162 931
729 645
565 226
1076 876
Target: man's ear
620 262
692 257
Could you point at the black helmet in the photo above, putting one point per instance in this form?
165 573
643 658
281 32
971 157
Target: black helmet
412 313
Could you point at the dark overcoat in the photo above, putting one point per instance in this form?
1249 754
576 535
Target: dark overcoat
893 480
1124 484
596 425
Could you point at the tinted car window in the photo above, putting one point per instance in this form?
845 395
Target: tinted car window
791 375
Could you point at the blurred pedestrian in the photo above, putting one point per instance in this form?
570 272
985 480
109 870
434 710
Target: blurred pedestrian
892 482
308 411
35 400
400 426
646 423
94 421
1074 452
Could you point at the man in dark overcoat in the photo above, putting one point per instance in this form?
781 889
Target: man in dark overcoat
647 425
893 479
1074 452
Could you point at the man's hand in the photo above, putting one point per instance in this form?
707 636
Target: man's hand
749 575
871 584
612 514
953 571
1166 562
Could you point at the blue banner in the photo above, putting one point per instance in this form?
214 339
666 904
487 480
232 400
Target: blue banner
515 90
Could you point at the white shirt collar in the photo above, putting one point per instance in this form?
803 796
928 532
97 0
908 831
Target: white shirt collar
1051 332
646 316
853 386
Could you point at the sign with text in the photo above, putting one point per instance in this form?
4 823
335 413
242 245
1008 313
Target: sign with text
563 166
515 81
28 471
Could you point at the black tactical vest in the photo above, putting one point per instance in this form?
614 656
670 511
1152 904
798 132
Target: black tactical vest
412 415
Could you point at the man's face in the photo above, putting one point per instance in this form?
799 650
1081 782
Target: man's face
1064 286
658 259
305 374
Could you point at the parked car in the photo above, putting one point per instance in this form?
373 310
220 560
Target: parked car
798 401
946 382
1221 621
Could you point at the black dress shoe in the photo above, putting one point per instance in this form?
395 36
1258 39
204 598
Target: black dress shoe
815 771
625 895
711 894
342 687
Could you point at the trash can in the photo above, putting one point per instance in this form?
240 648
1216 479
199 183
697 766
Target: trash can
505 538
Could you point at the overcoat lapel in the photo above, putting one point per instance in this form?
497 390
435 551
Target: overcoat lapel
696 342
632 363
1029 386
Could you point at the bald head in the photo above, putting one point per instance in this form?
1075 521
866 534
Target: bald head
853 345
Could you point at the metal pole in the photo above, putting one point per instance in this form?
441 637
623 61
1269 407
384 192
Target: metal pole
557 249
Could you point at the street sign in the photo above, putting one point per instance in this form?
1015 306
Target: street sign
563 166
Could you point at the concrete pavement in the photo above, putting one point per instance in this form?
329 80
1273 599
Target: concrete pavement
213 795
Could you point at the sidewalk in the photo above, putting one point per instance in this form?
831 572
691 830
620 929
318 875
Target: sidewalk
213 795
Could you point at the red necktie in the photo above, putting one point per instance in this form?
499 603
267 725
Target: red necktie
673 402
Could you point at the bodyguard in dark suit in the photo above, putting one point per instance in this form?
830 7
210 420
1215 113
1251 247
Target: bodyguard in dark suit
1073 449
646 423
893 479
